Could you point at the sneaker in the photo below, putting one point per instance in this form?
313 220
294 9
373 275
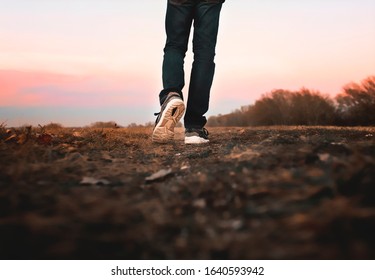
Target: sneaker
196 136
170 114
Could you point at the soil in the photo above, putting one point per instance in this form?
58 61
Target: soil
251 193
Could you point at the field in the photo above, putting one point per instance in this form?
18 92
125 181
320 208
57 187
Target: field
252 193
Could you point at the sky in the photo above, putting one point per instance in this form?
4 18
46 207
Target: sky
76 62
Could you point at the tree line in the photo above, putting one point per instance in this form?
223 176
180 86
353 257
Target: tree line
354 106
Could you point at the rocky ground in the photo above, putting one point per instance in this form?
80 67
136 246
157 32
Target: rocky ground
252 193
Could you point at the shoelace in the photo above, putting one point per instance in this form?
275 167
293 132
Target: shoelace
205 131
156 121
173 112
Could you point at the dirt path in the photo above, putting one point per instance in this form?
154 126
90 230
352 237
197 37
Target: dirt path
252 193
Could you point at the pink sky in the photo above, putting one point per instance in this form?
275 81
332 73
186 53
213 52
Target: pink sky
102 55
51 89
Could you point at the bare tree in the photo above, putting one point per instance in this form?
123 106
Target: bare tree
356 105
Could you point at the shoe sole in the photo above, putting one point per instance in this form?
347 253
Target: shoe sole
164 130
195 140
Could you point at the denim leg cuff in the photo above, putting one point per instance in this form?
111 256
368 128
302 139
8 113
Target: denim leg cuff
163 94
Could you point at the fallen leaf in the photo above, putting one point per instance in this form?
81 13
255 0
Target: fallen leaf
185 166
159 175
94 181
11 138
248 153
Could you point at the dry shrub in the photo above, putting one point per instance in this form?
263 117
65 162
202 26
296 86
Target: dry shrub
53 126
110 124
3 130
355 106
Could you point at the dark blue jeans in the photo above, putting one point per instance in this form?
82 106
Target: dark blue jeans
179 19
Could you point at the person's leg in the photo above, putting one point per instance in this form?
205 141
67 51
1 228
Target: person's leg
178 23
206 24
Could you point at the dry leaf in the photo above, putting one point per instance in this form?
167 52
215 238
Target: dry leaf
248 153
159 175
94 181
11 138
185 166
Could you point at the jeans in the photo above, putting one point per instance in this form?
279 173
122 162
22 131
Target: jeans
179 19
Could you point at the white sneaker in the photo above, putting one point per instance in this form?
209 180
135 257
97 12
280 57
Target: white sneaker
170 114
196 136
